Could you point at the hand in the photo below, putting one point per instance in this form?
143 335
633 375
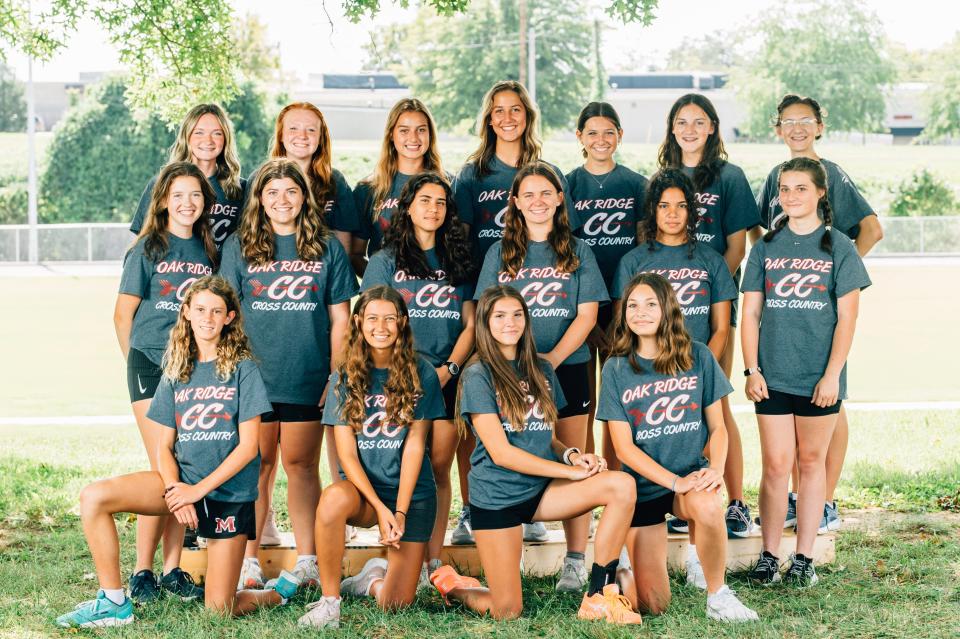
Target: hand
708 480
757 388
323 395
444 374
553 359
598 339
187 515
684 485
578 472
593 463
180 494
390 529
827 391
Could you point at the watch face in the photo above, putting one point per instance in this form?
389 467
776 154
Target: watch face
453 368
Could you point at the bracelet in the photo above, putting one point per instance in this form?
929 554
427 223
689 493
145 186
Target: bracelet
673 488
400 512
568 452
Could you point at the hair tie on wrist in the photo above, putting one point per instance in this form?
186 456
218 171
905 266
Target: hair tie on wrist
673 488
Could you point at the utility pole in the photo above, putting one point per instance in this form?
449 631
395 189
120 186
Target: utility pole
522 4
532 64
31 165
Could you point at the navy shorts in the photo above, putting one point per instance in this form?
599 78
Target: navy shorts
143 376
653 511
574 382
421 516
225 519
292 413
781 403
497 519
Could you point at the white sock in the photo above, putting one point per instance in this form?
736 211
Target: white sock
253 560
334 600
692 553
310 559
116 596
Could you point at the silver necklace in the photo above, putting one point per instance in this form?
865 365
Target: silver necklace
599 182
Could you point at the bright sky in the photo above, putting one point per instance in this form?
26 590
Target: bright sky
308 46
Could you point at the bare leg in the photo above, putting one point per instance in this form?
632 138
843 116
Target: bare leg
399 588
300 454
733 470
572 431
647 546
269 440
590 446
443 447
813 439
778 445
703 510
464 449
340 503
837 452
500 552
224 559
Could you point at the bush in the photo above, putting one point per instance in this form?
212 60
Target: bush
13 204
923 194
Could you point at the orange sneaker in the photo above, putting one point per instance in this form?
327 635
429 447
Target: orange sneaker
609 605
446 579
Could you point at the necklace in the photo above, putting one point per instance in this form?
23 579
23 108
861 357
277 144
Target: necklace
605 178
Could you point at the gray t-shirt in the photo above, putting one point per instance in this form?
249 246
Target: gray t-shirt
665 412
374 217
725 207
491 486
161 287
340 212
551 295
380 445
800 285
224 216
207 414
435 307
848 205
610 206
482 201
699 281
285 313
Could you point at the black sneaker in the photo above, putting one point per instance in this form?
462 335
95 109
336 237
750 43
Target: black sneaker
678 526
801 573
144 588
767 569
738 519
190 538
181 584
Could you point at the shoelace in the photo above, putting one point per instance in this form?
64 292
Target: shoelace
766 564
317 603
464 517
619 599
740 515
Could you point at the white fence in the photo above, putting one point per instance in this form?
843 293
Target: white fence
914 236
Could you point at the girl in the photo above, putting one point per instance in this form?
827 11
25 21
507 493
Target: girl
381 400
725 211
657 389
510 396
427 258
206 139
409 147
558 277
302 135
294 281
174 248
800 124
208 409
801 293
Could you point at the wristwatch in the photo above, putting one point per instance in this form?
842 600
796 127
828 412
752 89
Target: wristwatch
750 371
453 367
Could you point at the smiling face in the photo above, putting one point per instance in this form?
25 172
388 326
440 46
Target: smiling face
184 204
672 215
643 311
207 139
799 196
301 134
380 324
691 128
507 322
207 313
599 137
282 201
508 118
798 128
537 200
411 135
429 208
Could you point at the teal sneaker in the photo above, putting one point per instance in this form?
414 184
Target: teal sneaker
98 613
286 585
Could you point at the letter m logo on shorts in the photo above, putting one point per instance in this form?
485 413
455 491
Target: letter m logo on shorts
226 525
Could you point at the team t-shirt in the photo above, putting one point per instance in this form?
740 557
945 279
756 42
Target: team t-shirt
482 201
435 307
699 281
725 207
285 313
848 205
491 486
340 212
224 216
161 287
380 445
207 413
665 412
800 285
374 217
551 295
610 206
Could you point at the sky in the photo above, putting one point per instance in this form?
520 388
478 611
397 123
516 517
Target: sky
307 44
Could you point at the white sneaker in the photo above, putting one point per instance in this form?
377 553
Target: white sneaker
349 533
323 613
270 535
535 532
251 576
308 574
573 576
624 563
359 584
723 605
695 576
424 582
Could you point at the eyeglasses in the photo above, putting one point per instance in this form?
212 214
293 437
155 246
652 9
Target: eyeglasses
804 122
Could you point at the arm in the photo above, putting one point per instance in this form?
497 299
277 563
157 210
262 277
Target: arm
711 478
575 335
756 234
870 233
464 345
123 313
719 328
736 250
506 455
414 452
642 463
345 240
339 322
170 473
827 390
750 342
358 254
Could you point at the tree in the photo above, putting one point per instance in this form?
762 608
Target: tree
943 97
831 50
719 51
13 110
625 11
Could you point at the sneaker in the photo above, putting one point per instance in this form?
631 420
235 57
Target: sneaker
609 605
445 579
695 576
359 584
766 570
723 605
286 585
322 613
181 584
624 560
678 526
349 533
738 519
832 515
98 613
251 576
423 582
535 532
791 520
801 573
144 587
573 576
190 538
271 534
462 535
307 573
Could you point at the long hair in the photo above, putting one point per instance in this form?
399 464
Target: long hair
674 346
530 145
511 386
791 98
403 386
228 162
386 169
659 183
256 233
714 153
452 244
320 171
818 176
598 110
154 231
514 245
232 348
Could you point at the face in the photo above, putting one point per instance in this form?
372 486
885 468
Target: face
507 321
207 139
380 324
508 117
537 200
600 137
411 135
798 195
643 311
672 213
207 313
798 127
185 201
282 201
300 134
429 207
691 128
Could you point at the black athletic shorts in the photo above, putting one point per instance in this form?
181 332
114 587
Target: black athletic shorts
225 519
421 516
450 397
143 376
605 316
292 413
574 382
522 513
788 404
653 511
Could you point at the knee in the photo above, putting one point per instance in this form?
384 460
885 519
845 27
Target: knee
811 462
395 603
510 610
653 601
622 489
333 505
301 466
705 509
93 498
441 474
778 466
268 461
